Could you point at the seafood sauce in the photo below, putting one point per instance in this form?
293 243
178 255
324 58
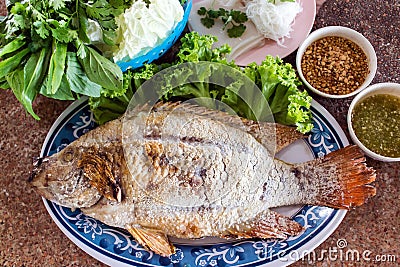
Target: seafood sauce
376 123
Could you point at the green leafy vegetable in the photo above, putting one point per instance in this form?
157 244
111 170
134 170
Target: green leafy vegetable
108 107
276 80
56 68
9 64
77 80
233 18
12 46
279 85
195 48
101 70
40 42
33 71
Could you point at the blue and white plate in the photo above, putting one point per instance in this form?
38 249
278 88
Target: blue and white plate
116 247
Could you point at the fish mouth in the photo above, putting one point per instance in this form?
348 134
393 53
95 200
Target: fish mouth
36 167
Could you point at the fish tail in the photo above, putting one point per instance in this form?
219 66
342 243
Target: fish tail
340 179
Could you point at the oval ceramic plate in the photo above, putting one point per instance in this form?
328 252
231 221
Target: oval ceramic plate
301 28
116 247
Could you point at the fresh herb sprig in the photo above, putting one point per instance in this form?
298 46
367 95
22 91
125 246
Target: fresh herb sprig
45 49
233 20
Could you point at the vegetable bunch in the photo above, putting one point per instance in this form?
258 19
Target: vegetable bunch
45 49
276 80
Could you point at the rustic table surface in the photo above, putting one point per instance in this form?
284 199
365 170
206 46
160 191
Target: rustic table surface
29 237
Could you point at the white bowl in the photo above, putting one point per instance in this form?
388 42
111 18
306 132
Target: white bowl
347 33
380 88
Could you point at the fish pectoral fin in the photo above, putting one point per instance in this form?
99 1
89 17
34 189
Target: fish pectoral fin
154 240
99 171
285 135
268 224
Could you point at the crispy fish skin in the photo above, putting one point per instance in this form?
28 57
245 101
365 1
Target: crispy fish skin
189 172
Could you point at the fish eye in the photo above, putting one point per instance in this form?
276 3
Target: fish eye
68 155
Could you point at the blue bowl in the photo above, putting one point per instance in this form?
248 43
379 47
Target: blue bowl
159 50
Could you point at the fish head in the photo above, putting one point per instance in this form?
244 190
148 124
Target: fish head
60 179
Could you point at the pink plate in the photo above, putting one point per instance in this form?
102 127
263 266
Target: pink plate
301 28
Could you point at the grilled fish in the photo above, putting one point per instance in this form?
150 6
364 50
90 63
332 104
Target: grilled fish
185 171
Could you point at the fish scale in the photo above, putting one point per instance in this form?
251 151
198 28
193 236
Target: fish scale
185 171
227 144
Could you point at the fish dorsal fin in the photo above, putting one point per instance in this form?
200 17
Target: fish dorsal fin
273 136
99 171
267 224
153 240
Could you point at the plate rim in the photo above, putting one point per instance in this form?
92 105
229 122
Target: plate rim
316 239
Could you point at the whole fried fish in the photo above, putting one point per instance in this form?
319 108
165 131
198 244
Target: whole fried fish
185 171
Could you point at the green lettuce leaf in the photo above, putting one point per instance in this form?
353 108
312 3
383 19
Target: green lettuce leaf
276 80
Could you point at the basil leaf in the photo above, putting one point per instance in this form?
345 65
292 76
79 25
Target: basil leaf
84 24
56 68
63 92
33 73
9 64
12 46
77 79
32 78
15 80
4 84
101 70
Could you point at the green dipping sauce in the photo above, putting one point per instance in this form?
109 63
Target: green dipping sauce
376 123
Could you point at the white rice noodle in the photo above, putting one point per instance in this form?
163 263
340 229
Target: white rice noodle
274 21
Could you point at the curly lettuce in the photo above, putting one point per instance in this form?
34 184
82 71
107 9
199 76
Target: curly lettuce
279 84
276 80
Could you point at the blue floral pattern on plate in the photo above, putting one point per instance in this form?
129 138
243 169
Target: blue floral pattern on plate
116 247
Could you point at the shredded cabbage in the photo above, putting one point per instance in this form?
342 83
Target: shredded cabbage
273 20
144 26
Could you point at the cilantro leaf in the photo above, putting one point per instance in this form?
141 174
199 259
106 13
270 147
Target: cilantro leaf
41 29
236 31
57 4
214 14
99 9
202 11
238 16
207 22
233 20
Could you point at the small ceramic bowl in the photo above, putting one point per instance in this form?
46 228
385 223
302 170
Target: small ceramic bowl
347 33
380 88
